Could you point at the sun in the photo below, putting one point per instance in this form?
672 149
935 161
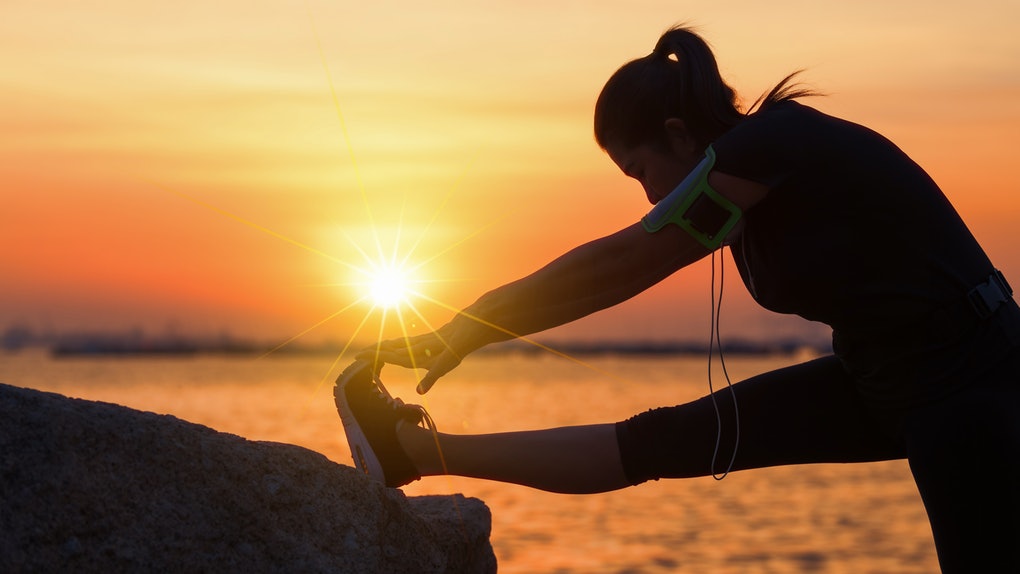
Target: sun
389 286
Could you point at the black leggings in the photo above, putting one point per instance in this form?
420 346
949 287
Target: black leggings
964 451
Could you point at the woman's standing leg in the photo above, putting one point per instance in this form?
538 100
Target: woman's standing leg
964 453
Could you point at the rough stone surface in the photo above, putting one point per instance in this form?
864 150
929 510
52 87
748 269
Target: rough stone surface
97 487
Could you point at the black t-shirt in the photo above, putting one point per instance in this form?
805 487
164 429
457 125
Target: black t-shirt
854 234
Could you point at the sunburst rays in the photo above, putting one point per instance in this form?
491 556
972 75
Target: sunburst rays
391 275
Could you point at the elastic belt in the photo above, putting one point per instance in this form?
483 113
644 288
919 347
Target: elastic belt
950 345
986 298
946 323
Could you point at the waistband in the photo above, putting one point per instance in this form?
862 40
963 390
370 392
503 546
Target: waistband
946 322
952 345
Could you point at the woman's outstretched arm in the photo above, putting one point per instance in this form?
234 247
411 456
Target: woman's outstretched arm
591 277
586 279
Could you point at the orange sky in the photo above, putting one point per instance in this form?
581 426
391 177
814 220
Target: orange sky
183 165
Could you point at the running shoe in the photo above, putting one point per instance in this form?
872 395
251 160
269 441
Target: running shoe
370 417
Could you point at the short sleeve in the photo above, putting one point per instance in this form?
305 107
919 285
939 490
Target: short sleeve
768 146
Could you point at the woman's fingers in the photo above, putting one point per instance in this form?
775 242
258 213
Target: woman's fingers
438 352
415 353
443 363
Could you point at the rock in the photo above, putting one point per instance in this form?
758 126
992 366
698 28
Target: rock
96 487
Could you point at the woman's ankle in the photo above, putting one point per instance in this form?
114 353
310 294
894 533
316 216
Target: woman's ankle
421 446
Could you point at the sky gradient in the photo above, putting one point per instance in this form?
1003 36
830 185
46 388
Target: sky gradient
231 166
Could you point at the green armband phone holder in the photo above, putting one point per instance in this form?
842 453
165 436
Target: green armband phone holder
697 208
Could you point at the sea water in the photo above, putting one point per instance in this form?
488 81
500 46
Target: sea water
853 518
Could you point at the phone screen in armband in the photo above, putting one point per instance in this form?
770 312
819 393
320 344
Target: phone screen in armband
697 208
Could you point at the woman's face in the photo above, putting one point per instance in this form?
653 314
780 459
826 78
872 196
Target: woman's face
659 170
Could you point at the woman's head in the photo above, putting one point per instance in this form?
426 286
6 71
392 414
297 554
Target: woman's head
680 80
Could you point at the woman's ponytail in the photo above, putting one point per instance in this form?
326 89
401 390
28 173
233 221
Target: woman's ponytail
679 79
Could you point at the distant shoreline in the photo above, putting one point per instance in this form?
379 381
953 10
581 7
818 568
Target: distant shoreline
663 348
184 349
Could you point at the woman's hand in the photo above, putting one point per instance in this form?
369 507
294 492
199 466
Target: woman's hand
421 352
439 352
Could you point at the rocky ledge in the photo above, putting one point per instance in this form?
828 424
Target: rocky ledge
96 487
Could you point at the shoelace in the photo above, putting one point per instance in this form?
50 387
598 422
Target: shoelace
400 406
419 411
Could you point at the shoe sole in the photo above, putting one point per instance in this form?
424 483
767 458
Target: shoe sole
364 456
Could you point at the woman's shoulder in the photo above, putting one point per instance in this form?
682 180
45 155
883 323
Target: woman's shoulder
788 136
796 127
789 112
771 136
